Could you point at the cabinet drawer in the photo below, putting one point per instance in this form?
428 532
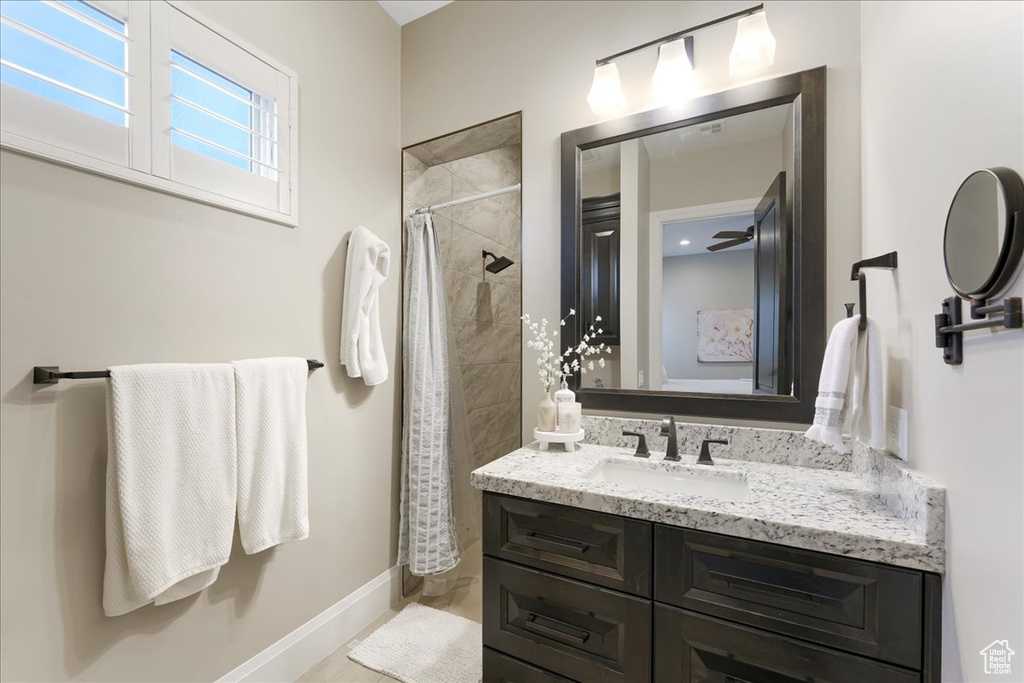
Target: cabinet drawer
570 628
692 648
848 604
604 549
499 668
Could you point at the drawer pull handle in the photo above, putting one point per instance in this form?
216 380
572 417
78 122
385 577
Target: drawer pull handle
781 591
567 543
566 630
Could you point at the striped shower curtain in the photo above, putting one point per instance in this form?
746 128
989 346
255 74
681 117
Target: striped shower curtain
427 536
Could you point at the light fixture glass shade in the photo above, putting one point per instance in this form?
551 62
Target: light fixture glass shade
606 95
755 45
673 77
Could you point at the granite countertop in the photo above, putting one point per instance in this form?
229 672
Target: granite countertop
841 512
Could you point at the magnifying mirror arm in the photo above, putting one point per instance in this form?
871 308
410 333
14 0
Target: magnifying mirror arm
949 330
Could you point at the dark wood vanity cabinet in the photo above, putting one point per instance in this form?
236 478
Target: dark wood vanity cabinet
575 595
694 647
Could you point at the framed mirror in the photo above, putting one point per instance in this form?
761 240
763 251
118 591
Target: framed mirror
983 239
697 234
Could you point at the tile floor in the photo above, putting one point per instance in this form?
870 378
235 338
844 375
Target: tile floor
464 600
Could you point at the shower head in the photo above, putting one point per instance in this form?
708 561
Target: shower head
499 263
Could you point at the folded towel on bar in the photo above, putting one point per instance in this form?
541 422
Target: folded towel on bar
850 385
270 400
362 348
170 481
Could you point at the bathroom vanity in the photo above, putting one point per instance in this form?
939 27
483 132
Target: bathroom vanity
602 567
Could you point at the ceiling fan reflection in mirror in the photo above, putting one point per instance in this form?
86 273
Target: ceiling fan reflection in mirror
735 238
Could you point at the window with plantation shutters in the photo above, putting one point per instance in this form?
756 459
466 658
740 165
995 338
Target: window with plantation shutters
153 94
66 78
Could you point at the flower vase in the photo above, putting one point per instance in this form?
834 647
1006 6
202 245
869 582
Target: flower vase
546 414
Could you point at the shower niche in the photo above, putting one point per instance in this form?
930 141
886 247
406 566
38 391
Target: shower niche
469 180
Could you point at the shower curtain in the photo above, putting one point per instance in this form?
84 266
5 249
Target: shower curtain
427 537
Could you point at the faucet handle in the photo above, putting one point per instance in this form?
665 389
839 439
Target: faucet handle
705 451
641 446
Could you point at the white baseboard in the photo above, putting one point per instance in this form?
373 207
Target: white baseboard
293 655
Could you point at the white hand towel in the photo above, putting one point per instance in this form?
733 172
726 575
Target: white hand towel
270 395
851 381
170 481
867 423
362 348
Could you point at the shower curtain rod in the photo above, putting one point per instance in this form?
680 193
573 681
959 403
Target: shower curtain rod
466 200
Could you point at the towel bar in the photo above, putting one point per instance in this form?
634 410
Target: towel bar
51 374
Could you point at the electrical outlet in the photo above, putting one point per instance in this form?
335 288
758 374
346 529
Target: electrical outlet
640 378
897 432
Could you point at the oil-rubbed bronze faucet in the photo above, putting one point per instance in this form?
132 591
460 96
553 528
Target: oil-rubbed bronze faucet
668 428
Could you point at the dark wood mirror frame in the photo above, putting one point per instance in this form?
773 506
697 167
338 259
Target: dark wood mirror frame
806 92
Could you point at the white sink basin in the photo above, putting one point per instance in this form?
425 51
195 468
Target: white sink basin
696 480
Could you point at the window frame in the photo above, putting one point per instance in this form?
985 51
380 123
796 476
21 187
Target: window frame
144 138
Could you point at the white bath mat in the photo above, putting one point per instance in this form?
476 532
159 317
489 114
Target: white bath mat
424 645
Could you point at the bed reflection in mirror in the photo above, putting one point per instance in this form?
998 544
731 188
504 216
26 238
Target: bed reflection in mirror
685 239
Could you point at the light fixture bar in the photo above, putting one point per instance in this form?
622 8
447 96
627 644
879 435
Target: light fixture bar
679 34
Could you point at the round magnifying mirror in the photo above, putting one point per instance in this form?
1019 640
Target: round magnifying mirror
983 240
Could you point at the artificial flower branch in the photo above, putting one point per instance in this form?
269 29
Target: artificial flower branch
553 367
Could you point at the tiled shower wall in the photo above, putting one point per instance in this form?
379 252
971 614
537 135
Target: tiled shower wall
484 308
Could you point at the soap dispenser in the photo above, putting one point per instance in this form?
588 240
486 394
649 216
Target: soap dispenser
563 395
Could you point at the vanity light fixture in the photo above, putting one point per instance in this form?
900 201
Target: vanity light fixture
673 77
606 95
754 47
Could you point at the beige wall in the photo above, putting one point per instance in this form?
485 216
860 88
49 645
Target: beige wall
634 171
931 116
719 174
94 273
600 182
702 282
473 61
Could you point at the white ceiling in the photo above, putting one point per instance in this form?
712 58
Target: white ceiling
699 233
755 125
404 11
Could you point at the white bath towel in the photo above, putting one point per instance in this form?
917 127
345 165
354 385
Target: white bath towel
270 398
170 481
362 348
850 384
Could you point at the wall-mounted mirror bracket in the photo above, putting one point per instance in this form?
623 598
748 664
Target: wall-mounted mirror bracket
983 246
949 328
